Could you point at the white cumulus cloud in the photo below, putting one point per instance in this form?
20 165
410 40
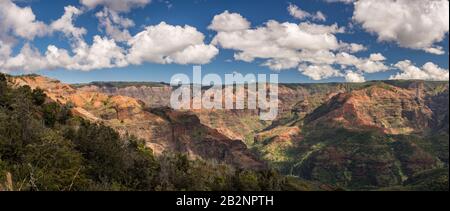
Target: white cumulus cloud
110 19
353 47
29 59
65 23
373 64
429 71
5 50
354 77
165 44
415 24
287 45
21 22
115 25
319 72
103 53
300 14
229 22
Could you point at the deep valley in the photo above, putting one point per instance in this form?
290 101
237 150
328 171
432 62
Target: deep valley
379 135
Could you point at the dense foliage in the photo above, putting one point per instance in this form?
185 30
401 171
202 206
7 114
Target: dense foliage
43 147
369 160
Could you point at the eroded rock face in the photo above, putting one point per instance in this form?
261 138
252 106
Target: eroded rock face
378 136
165 131
235 124
439 104
200 141
389 109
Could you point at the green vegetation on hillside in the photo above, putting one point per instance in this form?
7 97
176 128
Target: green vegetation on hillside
367 160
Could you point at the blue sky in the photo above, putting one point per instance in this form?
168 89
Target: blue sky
200 13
